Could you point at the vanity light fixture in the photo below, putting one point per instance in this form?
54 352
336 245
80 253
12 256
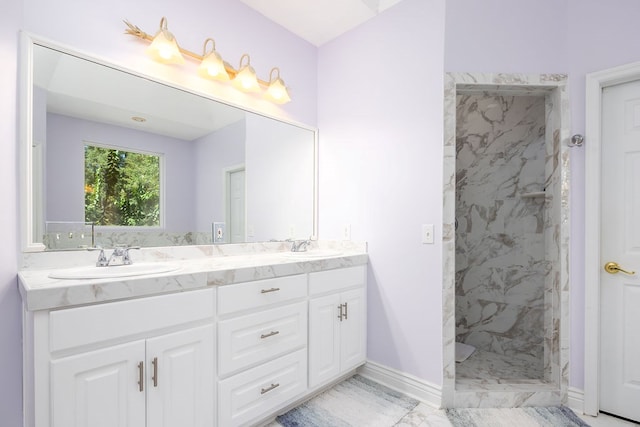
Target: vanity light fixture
165 49
246 79
212 65
277 91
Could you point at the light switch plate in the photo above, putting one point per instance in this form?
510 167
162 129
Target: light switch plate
427 234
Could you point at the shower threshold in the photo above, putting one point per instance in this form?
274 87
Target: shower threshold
484 367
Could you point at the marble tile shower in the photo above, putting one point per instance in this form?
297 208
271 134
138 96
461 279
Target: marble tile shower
496 385
500 249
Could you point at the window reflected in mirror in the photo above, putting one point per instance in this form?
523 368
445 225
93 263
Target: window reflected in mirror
121 188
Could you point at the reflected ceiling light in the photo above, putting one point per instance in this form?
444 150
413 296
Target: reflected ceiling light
164 47
212 65
246 79
277 92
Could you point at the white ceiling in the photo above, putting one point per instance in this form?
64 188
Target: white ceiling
319 21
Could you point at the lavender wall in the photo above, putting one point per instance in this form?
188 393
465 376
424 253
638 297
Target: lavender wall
568 36
10 304
380 113
601 35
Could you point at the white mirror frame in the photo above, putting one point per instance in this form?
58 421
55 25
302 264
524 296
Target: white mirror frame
25 131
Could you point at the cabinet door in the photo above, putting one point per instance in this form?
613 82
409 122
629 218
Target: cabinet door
324 339
180 379
353 330
99 388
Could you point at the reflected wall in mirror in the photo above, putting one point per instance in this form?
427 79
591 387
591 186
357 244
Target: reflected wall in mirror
218 163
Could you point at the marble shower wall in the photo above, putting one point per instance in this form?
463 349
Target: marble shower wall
500 248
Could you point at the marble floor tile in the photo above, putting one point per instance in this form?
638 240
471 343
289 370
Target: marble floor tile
424 415
604 420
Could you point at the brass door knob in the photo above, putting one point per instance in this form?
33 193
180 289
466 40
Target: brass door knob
614 268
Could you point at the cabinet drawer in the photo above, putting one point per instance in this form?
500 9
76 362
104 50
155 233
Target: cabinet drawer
261 293
79 326
256 392
338 279
250 339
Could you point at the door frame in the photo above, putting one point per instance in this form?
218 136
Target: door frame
595 83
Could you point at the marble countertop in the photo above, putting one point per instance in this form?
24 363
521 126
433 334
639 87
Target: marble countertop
40 292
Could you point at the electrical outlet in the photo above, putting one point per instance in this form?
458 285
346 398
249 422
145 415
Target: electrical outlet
219 232
346 232
251 230
292 231
427 234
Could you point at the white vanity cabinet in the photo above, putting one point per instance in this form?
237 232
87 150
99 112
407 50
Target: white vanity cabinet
337 323
136 363
229 355
262 347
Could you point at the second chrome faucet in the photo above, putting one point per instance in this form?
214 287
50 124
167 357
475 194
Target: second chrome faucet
121 252
300 245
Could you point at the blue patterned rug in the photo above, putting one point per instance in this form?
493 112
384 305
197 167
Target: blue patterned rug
355 402
360 402
550 416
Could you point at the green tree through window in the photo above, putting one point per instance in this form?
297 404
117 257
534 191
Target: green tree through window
121 188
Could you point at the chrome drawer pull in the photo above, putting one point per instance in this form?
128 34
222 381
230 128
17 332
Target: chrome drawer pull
266 291
141 376
340 316
346 311
270 334
154 377
268 389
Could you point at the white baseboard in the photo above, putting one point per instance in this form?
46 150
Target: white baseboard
417 388
576 399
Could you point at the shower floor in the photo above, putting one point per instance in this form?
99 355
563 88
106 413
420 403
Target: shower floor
499 369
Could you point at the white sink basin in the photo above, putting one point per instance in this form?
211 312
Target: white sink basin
311 254
113 271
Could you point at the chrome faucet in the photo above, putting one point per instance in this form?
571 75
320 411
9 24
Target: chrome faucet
121 252
300 245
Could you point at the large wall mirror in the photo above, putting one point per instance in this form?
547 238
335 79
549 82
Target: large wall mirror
112 157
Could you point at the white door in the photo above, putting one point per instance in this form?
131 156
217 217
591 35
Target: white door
237 206
180 380
100 388
620 243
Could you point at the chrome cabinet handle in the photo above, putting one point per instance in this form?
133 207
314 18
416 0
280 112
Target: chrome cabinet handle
154 377
266 291
141 376
346 311
340 316
270 334
268 389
